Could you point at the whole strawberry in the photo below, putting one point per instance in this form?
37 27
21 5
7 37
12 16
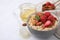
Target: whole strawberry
51 18
47 14
48 3
43 19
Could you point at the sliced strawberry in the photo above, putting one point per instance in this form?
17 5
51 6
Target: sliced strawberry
47 23
47 14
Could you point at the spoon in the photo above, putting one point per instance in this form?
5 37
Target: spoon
57 3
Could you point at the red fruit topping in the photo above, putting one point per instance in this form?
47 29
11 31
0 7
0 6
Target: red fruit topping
43 18
48 3
47 23
52 18
47 14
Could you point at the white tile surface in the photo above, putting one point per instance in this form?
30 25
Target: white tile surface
8 23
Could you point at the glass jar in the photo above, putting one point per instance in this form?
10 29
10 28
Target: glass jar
26 10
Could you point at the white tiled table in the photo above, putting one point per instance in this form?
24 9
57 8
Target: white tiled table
8 23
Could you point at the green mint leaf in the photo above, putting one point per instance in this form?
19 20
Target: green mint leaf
37 18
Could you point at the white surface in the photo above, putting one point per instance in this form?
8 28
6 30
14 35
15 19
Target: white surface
9 29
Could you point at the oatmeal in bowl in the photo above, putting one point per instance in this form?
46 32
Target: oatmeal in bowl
42 24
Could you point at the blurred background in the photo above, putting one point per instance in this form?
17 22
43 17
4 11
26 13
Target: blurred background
9 29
